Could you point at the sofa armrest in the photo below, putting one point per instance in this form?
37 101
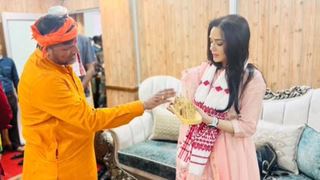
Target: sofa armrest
138 130
105 153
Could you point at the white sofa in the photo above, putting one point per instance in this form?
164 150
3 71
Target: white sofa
281 108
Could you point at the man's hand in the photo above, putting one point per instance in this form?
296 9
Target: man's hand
159 98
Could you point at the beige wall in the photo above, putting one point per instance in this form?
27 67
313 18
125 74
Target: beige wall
285 41
119 54
78 5
26 6
173 34
285 44
41 6
172 37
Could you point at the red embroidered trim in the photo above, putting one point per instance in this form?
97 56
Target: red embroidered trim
210 111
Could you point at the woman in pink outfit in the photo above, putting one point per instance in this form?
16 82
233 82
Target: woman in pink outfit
228 93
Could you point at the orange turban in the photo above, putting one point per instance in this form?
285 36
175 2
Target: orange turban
65 33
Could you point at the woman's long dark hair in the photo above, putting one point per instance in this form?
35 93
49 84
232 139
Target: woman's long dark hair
236 35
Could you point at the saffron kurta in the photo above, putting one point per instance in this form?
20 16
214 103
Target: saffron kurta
233 156
58 124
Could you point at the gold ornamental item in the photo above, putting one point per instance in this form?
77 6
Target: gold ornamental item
184 109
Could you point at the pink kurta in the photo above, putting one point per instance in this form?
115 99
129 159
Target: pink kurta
234 155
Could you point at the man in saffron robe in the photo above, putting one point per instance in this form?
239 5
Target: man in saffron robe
58 124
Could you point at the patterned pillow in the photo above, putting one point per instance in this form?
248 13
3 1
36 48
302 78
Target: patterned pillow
309 153
284 139
165 125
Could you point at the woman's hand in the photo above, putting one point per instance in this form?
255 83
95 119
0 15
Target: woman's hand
159 98
205 117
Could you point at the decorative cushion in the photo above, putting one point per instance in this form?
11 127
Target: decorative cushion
165 125
284 140
309 153
156 157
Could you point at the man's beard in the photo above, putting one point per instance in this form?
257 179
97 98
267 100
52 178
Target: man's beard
70 61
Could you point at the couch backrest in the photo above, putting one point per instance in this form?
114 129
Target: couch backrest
298 110
304 109
154 84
